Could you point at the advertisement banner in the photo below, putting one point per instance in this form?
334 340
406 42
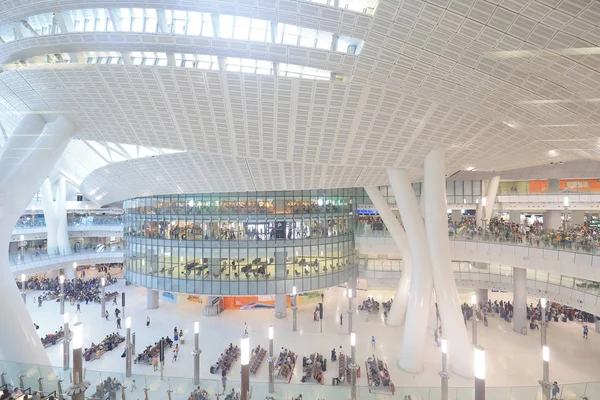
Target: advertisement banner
267 301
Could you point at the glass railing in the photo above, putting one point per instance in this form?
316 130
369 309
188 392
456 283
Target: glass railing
40 221
573 242
30 256
114 385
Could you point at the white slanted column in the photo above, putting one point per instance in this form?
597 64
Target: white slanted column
62 234
398 310
417 313
520 300
552 220
492 191
20 341
515 216
436 221
50 216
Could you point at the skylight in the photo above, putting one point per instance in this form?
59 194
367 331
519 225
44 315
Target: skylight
192 23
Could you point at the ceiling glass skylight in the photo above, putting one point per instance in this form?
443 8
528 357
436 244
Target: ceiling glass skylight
180 22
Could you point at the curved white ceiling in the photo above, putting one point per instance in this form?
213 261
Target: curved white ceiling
498 86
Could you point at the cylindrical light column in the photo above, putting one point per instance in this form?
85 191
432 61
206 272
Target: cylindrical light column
479 363
350 311
483 218
23 293
103 299
78 361
245 360
474 318
546 372
543 302
294 308
61 279
128 347
353 364
271 362
66 340
444 374
566 212
22 243
196 353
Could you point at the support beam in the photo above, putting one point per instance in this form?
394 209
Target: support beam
115 18
19 30
398 310
62 234
19 338
434 181
64 22
162 21
492 191
171 60
126 56
415 327
50 216
216 24
334 42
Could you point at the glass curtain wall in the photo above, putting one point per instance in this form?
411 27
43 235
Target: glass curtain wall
239 237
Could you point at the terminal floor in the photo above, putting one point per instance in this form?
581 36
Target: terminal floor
512 359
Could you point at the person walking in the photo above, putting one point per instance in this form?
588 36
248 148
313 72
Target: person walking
78 308
114 301
224 381
585 331
245 329
175 353
555 390
118 323
341 319
106 315
155 362
373 341
117 311
147 321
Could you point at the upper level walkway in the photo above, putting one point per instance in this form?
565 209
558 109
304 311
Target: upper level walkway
31 262
570 258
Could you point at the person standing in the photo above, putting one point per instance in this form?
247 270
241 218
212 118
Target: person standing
78 308
373 341
555 390
585 331
147 321
118 323
224 381
155 362
341 319
175 353
106 315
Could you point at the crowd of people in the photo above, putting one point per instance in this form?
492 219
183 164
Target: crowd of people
109 343
76 290
53 338
108 389
226 360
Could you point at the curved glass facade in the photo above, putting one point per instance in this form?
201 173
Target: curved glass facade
240 243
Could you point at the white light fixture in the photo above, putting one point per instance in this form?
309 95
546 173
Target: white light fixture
77 335
66 318
449 211
271 333
543 302
75 264
444 346
128 322
477 200
464 201
294 291
474 299
103 281
546 353
479 354
350 293
61 279
245 350
566 201
483 201
352 339
191 203
22 238
196 327
23 278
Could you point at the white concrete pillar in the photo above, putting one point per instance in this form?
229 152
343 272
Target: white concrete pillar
520 299
64 22
482 295
492 190
417 313
49 207
151 299
515 216
115 18
433 313
20 341
62 234
70 272
552 220
162 21
280 305
434 181
456 216
577 217
19 30
398 310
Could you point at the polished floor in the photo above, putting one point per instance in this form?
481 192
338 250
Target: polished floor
512 359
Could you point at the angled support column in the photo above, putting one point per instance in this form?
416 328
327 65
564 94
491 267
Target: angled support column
20 341
492 191
415 327
443 278
50 216
398 310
